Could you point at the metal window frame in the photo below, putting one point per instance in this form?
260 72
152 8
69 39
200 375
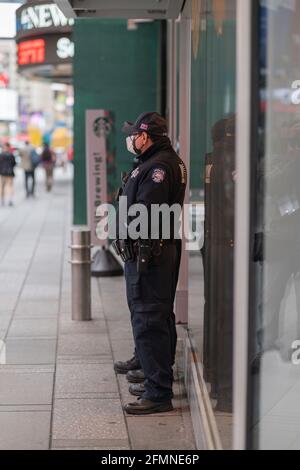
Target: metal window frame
184 151
242 221
172 80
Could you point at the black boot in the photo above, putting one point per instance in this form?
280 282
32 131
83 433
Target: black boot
135 376
146 407
123 367
137 389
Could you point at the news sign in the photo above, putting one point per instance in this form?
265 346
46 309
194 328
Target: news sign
41 18
44 40
52 49
31 52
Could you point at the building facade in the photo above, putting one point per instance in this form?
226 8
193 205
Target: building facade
233 109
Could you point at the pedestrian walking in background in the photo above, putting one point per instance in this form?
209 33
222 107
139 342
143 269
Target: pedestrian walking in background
48 162
7 165
29 162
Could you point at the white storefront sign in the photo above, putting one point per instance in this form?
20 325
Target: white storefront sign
65 48
97 129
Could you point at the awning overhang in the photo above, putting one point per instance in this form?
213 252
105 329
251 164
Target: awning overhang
129 9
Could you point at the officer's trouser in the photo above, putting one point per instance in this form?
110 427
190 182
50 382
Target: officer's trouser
173 316
150 298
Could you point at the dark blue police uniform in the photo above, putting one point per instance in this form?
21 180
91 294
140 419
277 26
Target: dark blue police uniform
160 178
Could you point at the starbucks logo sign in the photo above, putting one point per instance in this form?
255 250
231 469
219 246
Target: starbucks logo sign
101 126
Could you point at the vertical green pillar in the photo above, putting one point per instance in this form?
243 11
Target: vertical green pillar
116 69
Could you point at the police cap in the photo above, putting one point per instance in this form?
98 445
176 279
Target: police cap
151 122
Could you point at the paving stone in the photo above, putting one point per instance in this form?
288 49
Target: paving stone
84 380
84 344
8 266
159 432
90 448
13 408
5 319
44 278
67 326
33 327
88 419
84 359
34 308
30 351
38 368
26 430
10 279
40 292
8 302
20 387
90 444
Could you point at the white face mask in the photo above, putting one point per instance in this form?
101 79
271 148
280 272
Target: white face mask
131 146
129 143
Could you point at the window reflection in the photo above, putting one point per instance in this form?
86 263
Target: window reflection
212 190
218 263
274 374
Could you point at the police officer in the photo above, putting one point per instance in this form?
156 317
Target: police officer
218 256
152 262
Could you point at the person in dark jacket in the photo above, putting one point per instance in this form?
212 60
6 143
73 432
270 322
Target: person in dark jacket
48 162
7 165
151 271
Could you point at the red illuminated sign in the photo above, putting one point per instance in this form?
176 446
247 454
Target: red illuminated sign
31 52
4 80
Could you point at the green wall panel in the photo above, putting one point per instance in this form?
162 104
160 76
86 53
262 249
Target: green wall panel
118 70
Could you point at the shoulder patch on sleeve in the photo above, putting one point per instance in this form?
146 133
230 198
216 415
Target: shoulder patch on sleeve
158 175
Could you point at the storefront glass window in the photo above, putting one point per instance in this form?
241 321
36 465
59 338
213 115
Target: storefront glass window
274 365
212 174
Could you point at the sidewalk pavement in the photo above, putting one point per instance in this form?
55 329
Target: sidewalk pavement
58 389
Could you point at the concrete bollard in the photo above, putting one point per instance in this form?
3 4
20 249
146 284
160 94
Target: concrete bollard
81 274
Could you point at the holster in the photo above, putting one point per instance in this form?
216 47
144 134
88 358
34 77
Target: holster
124 249
143 251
